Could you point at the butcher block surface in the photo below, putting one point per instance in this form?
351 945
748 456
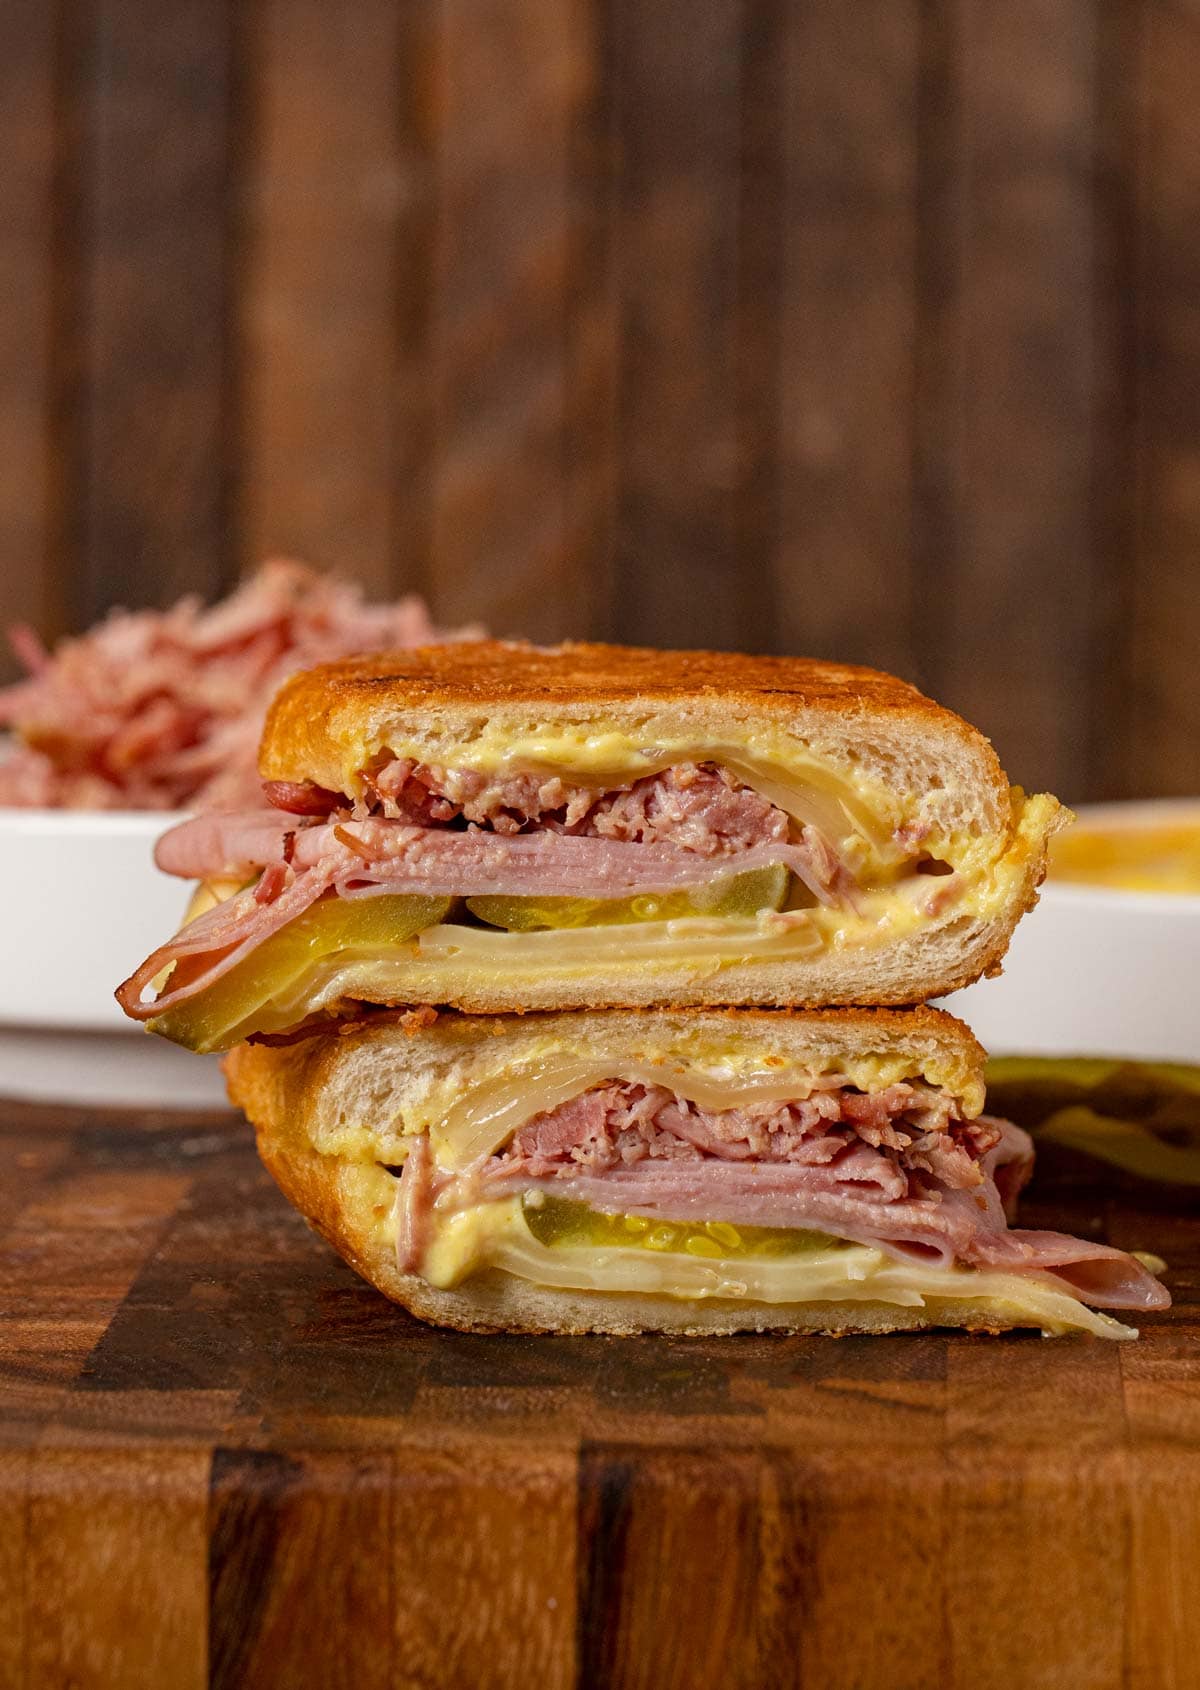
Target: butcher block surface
225 1461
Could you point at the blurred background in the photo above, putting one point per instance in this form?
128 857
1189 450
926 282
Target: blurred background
864 329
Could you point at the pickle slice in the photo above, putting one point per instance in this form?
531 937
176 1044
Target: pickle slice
559 1220
232 1006
728 895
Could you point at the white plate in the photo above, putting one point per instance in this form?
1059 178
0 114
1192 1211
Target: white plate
141 1071
1095 971
82 904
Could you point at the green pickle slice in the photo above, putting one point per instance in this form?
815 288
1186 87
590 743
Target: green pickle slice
559 1221
226 1010
729 895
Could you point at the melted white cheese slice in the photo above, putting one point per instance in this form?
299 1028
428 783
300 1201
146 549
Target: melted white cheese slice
494 1235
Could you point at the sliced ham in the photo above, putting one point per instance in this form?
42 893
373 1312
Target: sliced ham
640 1150
1097 1273
413 860
791 1195
364 857
636 1149
689 812
859 1198
414 1205
663 833
542 864
470 863
213 846
212 944
448 833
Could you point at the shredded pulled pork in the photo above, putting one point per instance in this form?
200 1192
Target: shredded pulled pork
690 812
161 710
905 1132
694 806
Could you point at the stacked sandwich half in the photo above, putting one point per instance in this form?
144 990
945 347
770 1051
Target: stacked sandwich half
661 904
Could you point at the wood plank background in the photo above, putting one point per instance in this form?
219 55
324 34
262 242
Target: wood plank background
866 330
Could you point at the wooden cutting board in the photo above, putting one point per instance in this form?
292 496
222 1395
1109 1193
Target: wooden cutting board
225 1461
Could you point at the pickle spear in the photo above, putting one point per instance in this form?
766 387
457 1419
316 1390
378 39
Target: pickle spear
231 1007
562 1221
734 895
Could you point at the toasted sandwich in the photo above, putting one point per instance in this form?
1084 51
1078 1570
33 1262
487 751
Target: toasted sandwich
495 826
690 1171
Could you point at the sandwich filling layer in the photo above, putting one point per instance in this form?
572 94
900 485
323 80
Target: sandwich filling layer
888 1195
698 863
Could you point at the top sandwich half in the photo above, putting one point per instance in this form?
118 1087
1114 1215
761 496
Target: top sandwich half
497 826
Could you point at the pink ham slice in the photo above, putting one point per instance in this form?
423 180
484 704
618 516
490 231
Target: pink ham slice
213 846
669 832
414 1205
472 863
1097 1273
365 858
859 1193
218 940
792 1195
547 865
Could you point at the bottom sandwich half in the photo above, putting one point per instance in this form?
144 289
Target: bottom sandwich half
686 1171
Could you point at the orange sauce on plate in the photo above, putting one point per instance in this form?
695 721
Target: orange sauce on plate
1159 856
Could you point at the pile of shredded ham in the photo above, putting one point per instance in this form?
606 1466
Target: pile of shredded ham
162 710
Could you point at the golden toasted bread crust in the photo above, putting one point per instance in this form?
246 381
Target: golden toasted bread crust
495 672
871 1020
324 722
